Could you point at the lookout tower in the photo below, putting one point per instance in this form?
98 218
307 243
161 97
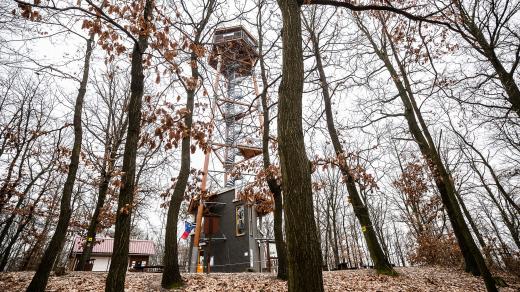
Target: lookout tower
227 234
237 50
238 119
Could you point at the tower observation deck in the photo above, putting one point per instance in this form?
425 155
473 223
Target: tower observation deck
237 50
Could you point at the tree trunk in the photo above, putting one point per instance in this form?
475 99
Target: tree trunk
119 262
304 254
39 281
274 187
7 251
21 226
327 238
8 187
335 232
113 141
472 256
281 249
350 251
377 255
399 250
171 276
471 221
497 181
513 230
33 252
94 221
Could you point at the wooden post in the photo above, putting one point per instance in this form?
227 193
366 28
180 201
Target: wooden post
198 223
196 238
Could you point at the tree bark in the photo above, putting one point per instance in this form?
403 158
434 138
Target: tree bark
40 278
119 262
171 276
106 175
304 254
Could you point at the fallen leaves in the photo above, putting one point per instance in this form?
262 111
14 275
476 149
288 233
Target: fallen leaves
410 279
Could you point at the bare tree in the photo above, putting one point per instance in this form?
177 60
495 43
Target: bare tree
113 127
39 281
171 275
377 254
421 134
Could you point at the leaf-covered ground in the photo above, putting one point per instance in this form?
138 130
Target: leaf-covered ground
410 279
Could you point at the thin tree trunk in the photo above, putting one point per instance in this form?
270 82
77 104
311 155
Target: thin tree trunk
377 255
471 221
274 187
119 262
21 226
327 237
505 218
8 188
398 247
106 175
335 233
304 254
495 228
349 249
498 184
40 241
171 276
39 281
473 258
7 251
10 220
113 141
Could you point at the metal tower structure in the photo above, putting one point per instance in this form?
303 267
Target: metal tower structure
236 118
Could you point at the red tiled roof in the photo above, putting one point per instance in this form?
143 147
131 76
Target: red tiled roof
105 245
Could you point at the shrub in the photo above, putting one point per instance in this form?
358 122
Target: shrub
440 250
512 263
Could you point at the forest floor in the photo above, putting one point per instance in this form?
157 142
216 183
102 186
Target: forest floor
410 279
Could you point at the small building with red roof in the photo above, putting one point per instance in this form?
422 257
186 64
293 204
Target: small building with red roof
138 254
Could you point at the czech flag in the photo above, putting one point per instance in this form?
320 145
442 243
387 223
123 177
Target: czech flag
188 227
